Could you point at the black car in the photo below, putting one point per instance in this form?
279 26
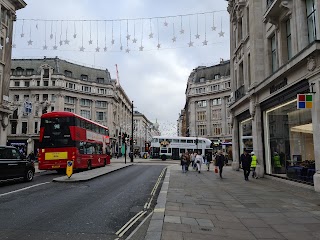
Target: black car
13 165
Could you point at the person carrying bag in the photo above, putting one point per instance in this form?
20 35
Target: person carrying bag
219 163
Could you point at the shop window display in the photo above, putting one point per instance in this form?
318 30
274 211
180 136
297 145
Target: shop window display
289 140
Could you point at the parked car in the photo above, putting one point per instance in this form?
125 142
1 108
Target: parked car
13 165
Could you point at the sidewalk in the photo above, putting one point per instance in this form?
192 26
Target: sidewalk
203 206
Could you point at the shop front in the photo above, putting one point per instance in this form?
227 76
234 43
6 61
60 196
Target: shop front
288 137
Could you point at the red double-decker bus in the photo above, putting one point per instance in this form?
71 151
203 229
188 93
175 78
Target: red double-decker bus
67 136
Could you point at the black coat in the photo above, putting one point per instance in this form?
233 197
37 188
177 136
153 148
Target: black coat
245 161
220 160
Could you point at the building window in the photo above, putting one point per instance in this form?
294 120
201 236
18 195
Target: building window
201 116
45 97
274 60
53 83
101 104
38 83
46 83
26 97
29 72
16 97
229 129
240 30
100 80
85 102
46 73
202 80
216 101
84 77
13 127
202 103
216 76
68 73
249 69
35 127
19 71
100 116
85 113
217 129
69 110
311 19
70 100
216 114
17 84
37 97
26 83
71 85
202 130
53 97
52 108
289 43
24 128
86 88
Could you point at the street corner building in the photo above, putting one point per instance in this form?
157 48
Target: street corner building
275 82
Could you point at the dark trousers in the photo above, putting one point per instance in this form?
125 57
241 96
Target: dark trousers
220 171
246 173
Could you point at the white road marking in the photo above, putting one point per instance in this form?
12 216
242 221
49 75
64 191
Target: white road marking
124 226
22 189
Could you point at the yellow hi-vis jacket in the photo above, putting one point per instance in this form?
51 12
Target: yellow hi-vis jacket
254 161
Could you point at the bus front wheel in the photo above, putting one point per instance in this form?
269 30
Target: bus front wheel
163 157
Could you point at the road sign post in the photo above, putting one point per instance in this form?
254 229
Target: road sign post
69 169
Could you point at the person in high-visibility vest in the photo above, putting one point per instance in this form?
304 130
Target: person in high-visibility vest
253 165
276 162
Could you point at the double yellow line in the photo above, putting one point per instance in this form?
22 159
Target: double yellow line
140 214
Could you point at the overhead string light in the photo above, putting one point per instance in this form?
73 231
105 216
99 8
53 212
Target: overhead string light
197 35
121 47
134 40
97 48
90 40
45 47
22 32
66 41
181 27
61 42
205 42
105 36
74 30
30 35
190 43
55 47
128 38
221 33
141 46
174 38
112 40
159 45
213 28
51 34
82 48
151 33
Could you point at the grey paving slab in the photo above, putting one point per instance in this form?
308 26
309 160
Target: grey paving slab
204 222
176 227
266 233
172 219
171 235
189 221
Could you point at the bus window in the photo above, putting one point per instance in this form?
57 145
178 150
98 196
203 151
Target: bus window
169 150
183 141
155 140
190 150
189 141
182 150
163 150
161 140
81 147
175 140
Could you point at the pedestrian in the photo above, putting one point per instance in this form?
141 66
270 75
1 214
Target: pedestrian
208 159
253 165
31 156
277 163
198 161
220 160
245 161
188 160
193 156
183 163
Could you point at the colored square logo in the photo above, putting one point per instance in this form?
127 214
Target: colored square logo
308 104
301 97
301 105
309 98
304 101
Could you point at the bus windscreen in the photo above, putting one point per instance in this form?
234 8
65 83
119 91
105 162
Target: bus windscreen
56 132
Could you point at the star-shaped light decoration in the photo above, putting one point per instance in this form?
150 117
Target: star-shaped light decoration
81 49
51 36
22 35
112 41
141 48
45 47
55 47
90 41
151 35
181 31
134 40
205 42
105 49
213 28
75 35
7 39
190 44
121 48
197 36
61 42
165 24
14 45
127 50
221 34
159 46
97 49
66 42
30 42
174 39
128 37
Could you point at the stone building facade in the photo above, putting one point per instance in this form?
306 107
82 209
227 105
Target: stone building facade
274 57
206 110
53 84
8 10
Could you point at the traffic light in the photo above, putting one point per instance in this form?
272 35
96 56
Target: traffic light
197 141
131 141
123 137
45 110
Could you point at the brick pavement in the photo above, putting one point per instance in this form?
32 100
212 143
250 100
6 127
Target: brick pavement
203 206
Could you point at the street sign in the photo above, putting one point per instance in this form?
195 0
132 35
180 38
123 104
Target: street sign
304 101
69 170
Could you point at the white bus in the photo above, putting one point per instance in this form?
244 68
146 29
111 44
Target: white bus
173 147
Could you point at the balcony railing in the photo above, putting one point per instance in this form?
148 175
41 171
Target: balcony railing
239 93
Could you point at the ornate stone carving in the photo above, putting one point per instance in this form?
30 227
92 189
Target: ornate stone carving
252 106
311 65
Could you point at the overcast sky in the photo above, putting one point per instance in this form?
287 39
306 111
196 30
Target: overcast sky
155 79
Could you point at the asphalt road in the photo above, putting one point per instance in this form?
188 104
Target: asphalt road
96 209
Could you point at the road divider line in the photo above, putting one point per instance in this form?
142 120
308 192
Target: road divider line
131 224
149 204
124 226
22 189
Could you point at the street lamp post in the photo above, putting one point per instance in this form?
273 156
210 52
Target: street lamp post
131 142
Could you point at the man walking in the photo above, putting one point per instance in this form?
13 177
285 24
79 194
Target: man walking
220 162
253 165
198 161
245 161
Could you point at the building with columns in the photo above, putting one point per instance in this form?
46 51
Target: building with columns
274 57
206 110
8 10
53 84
